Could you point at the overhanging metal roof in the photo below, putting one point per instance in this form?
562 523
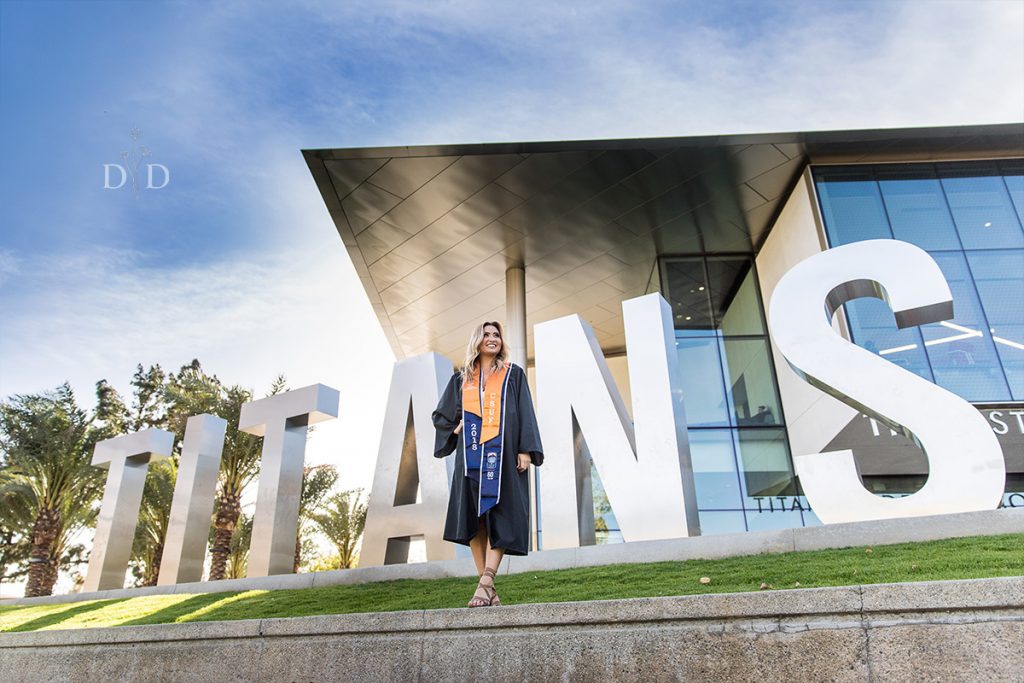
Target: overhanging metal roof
431 230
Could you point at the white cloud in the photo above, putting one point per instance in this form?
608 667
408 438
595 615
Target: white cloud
856 65
82 317
8 265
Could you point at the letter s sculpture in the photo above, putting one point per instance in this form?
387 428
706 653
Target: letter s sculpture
966 467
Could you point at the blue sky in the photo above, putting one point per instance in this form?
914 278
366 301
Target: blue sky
236 261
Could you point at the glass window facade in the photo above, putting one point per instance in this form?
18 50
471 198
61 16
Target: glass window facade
742 468
970 217
741 461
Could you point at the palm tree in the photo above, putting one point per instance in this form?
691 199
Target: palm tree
342 521
238 554
46 442
16 518
149 409
317 482
154 518
64 556
192 392
239 465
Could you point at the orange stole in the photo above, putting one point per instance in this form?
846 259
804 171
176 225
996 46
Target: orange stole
489 410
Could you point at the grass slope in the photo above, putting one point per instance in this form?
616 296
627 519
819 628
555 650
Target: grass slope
962 558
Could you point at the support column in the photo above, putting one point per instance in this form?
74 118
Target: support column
515 314
515 337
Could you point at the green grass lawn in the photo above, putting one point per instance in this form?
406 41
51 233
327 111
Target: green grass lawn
962 558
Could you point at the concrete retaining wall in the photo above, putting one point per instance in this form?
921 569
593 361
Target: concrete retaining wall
939 631
986 523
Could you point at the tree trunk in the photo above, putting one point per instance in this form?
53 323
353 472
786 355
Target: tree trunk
153 566
298 552
7 545
41 574
52 568
229 507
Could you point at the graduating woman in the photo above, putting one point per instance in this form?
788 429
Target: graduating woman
486 416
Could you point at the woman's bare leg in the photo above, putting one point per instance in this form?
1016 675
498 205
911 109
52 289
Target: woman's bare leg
493 558
479 545
487 560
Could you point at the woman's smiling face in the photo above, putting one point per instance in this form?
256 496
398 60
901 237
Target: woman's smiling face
491 344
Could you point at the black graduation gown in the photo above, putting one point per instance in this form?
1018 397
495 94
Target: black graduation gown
508 522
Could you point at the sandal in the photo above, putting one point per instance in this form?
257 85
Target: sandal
495 600
490 596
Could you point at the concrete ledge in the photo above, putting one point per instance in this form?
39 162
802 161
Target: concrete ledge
916 529
948 630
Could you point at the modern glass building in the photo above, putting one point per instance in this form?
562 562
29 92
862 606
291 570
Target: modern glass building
969 215
446 236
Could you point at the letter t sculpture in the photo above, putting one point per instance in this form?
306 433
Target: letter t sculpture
282 420
127 459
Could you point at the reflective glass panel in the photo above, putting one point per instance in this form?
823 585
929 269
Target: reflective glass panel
714 469
969 216
715 522
811 519
606 527
779 519
689 296
999 279
764 460
982 211
734 296
726 375
701 377
1015 186
961 351
852 206
873 327
917 211
750 382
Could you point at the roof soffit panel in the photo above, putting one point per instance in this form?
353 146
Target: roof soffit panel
540 171
389 270
576 188
379 239
454 185
754 160
776 182
365 204
346 176
401 294
464 220
749 197
473 276
623 199
451 294
463 256
402 177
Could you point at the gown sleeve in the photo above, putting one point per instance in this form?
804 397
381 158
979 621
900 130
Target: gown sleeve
446 418
529 432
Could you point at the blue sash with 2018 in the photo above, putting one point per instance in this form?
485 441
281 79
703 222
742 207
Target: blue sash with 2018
483 429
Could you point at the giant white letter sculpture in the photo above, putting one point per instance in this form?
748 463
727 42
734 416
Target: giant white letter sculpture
126 458
282 420
644 466
966 467
188 527
406 461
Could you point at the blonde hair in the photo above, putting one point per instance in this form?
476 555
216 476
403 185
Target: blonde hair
473 350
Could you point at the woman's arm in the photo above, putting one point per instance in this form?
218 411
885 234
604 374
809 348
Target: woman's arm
447 418
529 432
523 461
